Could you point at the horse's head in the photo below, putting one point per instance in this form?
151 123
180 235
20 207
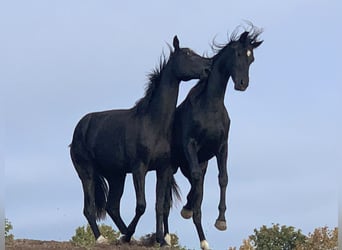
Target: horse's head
188 65
235 58
242 58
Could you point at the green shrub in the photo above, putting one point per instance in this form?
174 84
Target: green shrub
277 237
84 236
8 228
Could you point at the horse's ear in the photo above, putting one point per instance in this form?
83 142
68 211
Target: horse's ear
243 37
176 43
256 44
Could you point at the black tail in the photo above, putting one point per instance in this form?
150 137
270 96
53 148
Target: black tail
176 194
101 194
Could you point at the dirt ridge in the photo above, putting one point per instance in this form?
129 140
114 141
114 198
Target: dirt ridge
29 244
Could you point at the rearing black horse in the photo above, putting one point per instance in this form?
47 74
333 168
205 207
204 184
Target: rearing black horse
202 124
107 145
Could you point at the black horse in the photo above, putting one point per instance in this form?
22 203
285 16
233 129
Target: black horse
202 124
107 145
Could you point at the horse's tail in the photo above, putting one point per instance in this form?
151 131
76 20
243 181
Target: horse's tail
101 194
176 194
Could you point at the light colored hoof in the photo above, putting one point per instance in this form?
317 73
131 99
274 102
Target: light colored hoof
186 213
221 225
167 239
102 240
205 245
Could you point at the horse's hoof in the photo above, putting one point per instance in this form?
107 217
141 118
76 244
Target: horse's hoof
125 239
167 239
221 225
186 213
205 245
102 240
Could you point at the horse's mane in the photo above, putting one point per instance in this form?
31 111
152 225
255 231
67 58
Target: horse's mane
154 78
253 35
218 49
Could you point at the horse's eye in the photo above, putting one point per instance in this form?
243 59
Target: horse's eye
249 53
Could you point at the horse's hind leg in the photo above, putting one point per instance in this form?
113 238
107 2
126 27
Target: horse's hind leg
89 209
116 188
86 172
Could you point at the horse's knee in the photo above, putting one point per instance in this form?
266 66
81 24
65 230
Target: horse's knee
223 180
186 213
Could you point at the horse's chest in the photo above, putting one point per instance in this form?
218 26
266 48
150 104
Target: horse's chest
210 137
212 129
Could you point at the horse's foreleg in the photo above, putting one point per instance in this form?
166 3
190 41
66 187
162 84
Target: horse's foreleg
167 206
187 211
163 199
192 159
188 207
139 186
195 173
221 157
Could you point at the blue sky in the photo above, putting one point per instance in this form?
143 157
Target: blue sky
63 59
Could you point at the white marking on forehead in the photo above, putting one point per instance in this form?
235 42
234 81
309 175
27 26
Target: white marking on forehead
249 53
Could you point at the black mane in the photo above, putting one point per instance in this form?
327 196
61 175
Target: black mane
253 35
154 78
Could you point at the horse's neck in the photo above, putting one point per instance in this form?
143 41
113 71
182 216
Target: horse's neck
216 86
164 100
